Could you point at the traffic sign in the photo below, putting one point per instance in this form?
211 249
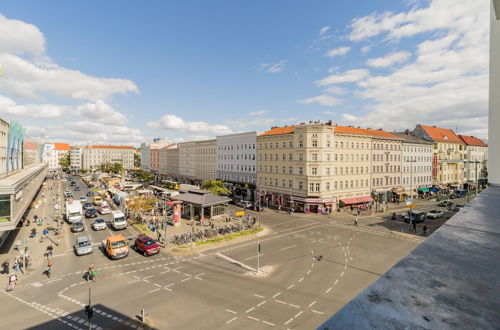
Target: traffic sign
408 201
411 206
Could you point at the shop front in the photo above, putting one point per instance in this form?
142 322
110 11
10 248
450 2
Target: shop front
314 205
360 202
397 195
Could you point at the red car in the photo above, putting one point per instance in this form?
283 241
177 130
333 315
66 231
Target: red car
146 245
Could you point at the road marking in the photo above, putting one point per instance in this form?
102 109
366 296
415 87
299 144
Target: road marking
317 312
154 290
345 266
281 302
290 320
312 304
329 289
262 303
268 323
301 279
308 272
249 258
157 285
186 279
253 318
230 311
251 309
294 305
199 275
169 285
133 281
342 274
276 294
259 296
288 247
231 320
291 286
145 279
298 314
337 281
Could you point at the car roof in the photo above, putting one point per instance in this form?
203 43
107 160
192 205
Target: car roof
116 238
144 238
82 239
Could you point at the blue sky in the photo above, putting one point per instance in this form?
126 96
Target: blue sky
123 72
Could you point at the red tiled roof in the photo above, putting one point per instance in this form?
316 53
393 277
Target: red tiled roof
30 145
61 146
473 141
110 147
365 131
441 134
279 130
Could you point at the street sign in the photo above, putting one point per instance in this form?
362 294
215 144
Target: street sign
411 206
408 201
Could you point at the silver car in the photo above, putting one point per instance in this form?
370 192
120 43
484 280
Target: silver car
83 246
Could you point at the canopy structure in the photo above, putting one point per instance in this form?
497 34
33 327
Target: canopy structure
424 189
356 200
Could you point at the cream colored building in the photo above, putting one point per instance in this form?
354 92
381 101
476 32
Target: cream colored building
173 161
205 152
448 154
475 160
187 161
95 155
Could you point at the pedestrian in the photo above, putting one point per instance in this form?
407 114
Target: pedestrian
355 222
48 270
158 234
12 282
414 224
359 211
49 250
424 230
18 243
16 265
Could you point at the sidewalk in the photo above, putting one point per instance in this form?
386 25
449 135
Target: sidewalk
35 248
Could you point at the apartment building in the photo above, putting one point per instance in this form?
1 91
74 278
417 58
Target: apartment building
146 149
205 159
95 155
416 164
31 153
236 163
53 152
475 161
76 158
351 174
145 156
4 136
187 161
292 166
448 151
154 165
173 162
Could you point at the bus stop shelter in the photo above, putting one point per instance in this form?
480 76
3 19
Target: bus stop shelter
202 204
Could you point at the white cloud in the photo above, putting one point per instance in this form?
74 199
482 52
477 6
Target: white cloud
258 113
329 112
277 67
445 84
365 49
348 76
349 118
18 37
389 59
335 90
325 100
101 112
174 123
338 51
323 30
245 123
10 109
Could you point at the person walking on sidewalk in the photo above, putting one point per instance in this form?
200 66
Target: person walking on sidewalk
48 270
17 266
12 282
355 222
18 243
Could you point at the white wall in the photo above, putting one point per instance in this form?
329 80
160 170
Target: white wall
494 106
230 162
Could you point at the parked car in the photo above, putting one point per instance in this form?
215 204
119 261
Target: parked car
104 209
77 226
90 194
418 216
77 188
83 199
443 204
146 245
99 224
244 204
457 207
72 183
91 213
435 214
87 205
82 246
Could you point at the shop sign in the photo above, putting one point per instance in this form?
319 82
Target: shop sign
18 195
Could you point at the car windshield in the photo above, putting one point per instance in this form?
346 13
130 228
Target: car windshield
118 244
84 243
99 220
120 219
74 214
433 211
78 224
149 242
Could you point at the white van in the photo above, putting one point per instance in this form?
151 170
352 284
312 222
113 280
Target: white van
118 221
73 211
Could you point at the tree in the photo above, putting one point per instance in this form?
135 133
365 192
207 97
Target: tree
137 160
141 205
64 161
116 168
216 187
84 171
143 175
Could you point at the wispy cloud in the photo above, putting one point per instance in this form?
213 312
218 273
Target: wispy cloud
346 77
389 59
325 100
323 30
258 113
277 67
339 51
173 123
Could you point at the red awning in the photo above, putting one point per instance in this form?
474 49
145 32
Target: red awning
365 199
170 203
352 200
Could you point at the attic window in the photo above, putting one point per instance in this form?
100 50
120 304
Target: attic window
445 137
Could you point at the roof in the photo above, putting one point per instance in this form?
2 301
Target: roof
202 198
30 145
116 238
381 133
473 141
411 138
61 146
439 134
279 130
109 147
350 130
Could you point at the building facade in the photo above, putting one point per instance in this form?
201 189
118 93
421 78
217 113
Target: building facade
31 153
416 164
96 155
494 96
145 156
4 136
154 165
475 161
173 162
75 158
15 145
53 152
235 163
187 161
205 159
448 151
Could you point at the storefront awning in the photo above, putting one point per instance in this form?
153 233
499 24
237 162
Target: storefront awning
398 191
352 200
423 189
365 199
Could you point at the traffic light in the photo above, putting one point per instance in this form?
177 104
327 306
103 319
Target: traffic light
89 311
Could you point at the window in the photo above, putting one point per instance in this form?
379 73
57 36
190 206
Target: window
290 170
335 185
315 143
314 170
284 169
5 208
327 156
290 157
328 186
284 156
301 144
318 186
311 186
300 185
314 157
327 171
290 184
301 171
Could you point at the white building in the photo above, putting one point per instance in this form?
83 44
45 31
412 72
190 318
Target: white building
95 155
75 158
4 135
157 143
53 152
416 163
235 161
187 160
205 160
475 160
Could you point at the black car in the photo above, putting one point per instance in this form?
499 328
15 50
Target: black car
72 183
77 188
91 213
87 205
90 194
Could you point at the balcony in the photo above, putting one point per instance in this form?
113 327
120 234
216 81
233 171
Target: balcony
449 281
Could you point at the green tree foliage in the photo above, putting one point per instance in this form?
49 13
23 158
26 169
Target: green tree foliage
64 161
137 160
116 168
216 187
143 175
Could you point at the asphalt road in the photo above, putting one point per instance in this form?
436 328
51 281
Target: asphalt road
205 290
